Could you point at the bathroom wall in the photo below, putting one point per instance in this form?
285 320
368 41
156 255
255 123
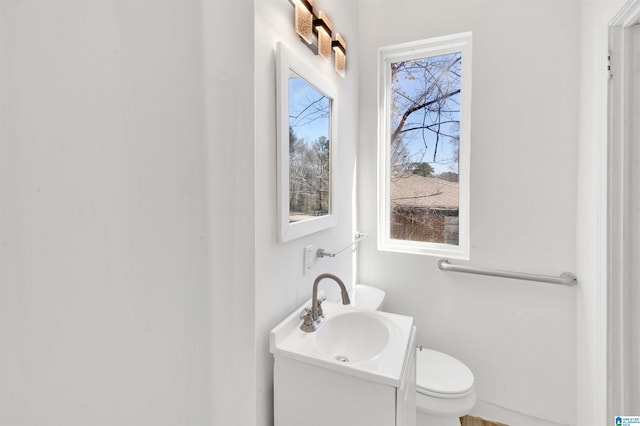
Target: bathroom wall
281 285
518 337
229 114
126 211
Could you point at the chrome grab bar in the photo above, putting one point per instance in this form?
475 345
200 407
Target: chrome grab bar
359 237
566 278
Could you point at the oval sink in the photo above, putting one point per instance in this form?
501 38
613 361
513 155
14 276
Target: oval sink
352 336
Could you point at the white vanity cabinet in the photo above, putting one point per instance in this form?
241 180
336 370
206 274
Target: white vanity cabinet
358 368
406 393
306 394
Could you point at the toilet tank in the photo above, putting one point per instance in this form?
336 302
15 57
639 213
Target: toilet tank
366 297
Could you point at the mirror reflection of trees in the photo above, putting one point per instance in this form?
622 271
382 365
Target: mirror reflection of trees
309 147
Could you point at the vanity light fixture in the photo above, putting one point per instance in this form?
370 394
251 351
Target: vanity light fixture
304 19
317 33
340 54
323 28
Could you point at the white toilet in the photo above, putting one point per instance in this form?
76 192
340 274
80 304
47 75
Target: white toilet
444 385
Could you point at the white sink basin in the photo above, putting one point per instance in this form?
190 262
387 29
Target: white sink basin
368 344
352 336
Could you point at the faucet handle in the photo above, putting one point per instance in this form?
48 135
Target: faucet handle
319 306
305 312
308 322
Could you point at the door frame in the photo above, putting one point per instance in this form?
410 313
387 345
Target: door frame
618 179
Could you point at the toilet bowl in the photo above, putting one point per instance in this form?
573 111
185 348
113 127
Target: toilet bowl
367 297
444 385
444 389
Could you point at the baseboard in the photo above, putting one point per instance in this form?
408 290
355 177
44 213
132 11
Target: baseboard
496 413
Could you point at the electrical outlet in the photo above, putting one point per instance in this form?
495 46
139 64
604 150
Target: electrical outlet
307 259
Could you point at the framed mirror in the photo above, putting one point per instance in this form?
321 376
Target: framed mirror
307 111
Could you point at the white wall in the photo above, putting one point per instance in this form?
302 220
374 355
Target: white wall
229 115
125 296
280 283
519 338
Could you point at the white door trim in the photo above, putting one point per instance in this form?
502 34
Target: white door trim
618 260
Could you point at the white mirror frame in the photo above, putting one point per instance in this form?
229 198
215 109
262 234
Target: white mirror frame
286 62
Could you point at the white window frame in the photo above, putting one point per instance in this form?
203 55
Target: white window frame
409 51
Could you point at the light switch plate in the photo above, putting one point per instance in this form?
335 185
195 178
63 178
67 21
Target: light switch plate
307 259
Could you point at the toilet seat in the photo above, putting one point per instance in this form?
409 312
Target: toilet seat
442 376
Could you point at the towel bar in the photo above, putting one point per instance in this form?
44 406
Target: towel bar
359 237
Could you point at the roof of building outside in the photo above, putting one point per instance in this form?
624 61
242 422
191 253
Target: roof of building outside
424 192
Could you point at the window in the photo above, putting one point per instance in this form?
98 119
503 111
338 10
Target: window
423 188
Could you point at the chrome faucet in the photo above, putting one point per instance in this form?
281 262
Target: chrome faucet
313 317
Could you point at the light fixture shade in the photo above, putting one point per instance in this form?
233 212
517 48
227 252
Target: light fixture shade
323 26
304 20
340 55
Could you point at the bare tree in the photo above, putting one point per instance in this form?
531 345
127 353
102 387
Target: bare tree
309 130
425 128
308 175
425 112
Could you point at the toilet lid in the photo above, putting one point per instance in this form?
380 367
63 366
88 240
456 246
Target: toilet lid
440 373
